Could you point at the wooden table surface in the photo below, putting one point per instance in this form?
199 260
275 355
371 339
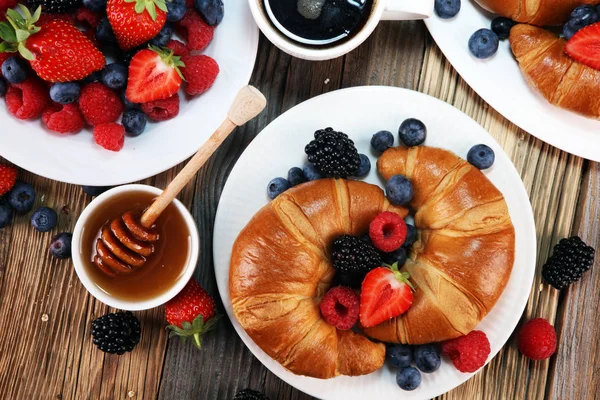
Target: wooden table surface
45 313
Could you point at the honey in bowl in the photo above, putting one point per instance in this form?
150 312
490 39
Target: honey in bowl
161 270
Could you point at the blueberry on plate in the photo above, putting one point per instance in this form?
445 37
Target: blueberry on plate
44 219
411 236
14 70
408 378
396 256
583 16
93 77
211 10
21 197
175 10
501 26
412 132
399 190
6 213
3 87
447 9
277 186
364 168
115 76
296 176
382 140
399 355
95 5
134 122
104 32
568 31
128 104
427 358
481 156
95 190
311 172
163 37
483 43
60 245
65 92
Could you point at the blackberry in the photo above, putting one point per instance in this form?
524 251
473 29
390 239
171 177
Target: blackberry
570 259
354 256
249 394
333 153
55 6
116 333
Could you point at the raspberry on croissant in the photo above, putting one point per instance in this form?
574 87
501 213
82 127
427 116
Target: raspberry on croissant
536 12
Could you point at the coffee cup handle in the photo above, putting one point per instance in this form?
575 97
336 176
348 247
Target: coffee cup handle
396 10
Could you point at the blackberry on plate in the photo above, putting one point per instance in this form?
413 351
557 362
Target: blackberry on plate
354 256
54 6
333 153
570 259
249 394
116 333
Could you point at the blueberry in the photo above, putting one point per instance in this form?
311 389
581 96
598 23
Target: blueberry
115 76
134 122
44 219
126 56
21 197
447 9
60 246
95 5
277 186
411 236
382 140
211 10
481 156
95 190
427 358
502 26
175 10
399 190
65 93
296 176
3 86
128 104
6 213
93 77
408 378
311 172
163 37
15 70
104 32
399 355
364 168
583 16
483 43
569 30
396 256
412 132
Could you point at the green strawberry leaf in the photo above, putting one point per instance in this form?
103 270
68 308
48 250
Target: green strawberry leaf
6 47
25 53
140 7
36 15
161 4
7 33
22 35
151 10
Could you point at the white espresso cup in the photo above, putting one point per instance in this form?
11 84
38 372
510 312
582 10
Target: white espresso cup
381 10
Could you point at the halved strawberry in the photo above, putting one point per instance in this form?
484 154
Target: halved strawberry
584 46
386 293
153 75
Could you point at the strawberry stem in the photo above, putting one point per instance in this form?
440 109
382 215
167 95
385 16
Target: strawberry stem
149 6
195 330
17 29
401 276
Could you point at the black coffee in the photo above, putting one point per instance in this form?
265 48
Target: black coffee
320 22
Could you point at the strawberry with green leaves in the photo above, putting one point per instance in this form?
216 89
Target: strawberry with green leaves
56 50
136 21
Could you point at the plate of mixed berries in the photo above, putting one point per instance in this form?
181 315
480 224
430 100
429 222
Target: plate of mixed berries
100 93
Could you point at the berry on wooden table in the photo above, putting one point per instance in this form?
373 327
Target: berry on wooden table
44 219
570 259
63 118
483 43
21 197
468 353
537 339
8 178
340 307
200 73
162 110
116 333
60 246
111 136
249 394
95 190
6 213
194 31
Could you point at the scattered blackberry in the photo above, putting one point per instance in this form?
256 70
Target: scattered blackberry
54 6
570 259
352 255
249 394
116 333
333 153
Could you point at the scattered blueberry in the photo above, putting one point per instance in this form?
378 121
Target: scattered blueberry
44 219
399 190
427 358
311 172
126 56
21 197
175 10
163 37
569 31
211 10
134 122
65 92
128 104
60 246
277 186
115 76
399 355
3 86
501 26
481 156
382 140
95 190
104 32
15 70
408 378
93 77
583 16
95 5
411 236
483 43
412 132
6 213
447 9
396 256
296 176
364 167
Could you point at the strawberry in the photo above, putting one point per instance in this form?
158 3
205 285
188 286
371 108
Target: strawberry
136 21
56 50
584 46
153 75
8 177
385 294
191 313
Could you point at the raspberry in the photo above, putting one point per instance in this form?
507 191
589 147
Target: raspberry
340 307
179 49
468 353
388 231
99 105
110 136
90 18
27 100
162 110
537 339
200 73
63 118
197 33
8 178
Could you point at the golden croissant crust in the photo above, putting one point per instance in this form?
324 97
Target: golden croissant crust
535 12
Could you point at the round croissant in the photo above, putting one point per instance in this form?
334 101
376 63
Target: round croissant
547 68
465 252
280 268
536 12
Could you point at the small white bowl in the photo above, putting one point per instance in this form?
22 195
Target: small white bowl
109 300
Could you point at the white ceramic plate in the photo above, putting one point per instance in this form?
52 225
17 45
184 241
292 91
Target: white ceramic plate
360 112
77 159
499 82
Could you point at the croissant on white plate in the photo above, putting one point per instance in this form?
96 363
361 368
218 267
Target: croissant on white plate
535 12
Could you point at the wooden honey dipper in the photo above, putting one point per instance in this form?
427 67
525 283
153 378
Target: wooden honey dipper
126 241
